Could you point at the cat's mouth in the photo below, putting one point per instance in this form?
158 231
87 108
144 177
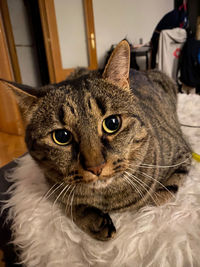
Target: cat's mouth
107 174
91 179
102 180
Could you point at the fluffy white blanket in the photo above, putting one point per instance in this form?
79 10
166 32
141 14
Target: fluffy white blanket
155 236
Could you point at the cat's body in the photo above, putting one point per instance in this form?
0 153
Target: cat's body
107 144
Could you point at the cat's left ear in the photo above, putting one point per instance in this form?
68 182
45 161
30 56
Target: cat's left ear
118 66
26 96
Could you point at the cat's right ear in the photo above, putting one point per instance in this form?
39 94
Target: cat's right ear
26 96
117 68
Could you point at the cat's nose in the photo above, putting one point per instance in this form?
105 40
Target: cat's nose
97 169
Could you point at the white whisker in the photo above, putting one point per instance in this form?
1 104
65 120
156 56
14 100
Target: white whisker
68 204
54 203
144 165
69 186
72 199
50 189
133 185
142 184
148 176
59 195
47 194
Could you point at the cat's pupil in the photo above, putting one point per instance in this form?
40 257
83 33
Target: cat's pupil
112 123
62 136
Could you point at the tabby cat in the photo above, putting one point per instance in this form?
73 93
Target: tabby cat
106 142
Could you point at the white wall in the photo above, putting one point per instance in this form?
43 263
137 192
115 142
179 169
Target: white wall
133 19
71 33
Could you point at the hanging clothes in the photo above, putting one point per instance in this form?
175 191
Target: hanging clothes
173 19
169 48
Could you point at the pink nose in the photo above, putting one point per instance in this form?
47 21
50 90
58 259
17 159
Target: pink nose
97 169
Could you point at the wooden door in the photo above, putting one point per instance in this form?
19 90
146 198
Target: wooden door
57 70
11 126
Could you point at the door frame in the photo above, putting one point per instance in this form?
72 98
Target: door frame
10 118
10 40
48 17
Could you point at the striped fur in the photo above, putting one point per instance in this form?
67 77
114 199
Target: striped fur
134 159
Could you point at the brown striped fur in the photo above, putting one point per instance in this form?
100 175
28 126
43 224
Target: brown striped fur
150 134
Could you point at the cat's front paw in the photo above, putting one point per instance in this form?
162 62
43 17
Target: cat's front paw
103 229
97 224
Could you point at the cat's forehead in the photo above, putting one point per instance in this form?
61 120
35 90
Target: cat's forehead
88 93
83 98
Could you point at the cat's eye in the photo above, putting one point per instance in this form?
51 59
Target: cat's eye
111 124
62 137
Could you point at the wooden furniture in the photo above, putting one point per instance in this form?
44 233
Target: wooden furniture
11 125
141 52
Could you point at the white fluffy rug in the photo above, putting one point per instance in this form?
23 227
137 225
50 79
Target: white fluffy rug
155 236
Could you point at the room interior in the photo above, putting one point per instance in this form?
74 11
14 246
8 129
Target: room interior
43 41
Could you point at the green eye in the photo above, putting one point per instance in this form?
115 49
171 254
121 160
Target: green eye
62 137
111 124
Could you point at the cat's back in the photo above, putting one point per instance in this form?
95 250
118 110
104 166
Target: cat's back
154 90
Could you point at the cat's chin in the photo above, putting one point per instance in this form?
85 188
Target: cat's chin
101 182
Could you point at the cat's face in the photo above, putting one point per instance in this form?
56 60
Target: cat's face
84 131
